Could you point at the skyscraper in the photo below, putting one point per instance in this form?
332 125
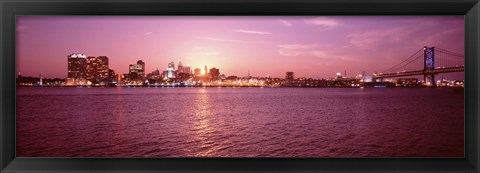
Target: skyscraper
137 71
97 68
90 67
77 66
142 74
180 67
206 71
111 74
289 76
187 69
155 75
215 73
103 67
170 73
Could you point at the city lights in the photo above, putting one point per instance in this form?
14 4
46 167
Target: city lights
86 70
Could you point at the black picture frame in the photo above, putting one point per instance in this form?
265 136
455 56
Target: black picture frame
11 8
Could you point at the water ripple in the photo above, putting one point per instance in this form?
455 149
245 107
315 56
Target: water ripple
239 122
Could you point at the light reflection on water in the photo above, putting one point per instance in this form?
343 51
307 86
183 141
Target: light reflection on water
239 122
202 124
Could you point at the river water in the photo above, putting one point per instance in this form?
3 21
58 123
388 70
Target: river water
240 122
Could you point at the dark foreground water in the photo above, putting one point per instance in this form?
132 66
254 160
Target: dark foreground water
240 122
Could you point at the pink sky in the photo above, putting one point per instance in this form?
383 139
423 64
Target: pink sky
310 46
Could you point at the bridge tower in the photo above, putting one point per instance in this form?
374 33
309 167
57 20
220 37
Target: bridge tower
429 66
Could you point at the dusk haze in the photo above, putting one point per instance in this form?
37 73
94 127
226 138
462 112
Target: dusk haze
311 46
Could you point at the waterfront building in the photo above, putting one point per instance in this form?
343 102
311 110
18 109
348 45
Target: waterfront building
180 68
137 71
89 66
170 73
408 82
111 73
187 69
206 71
97 68
183 76
289 76
103 66
142 74
183 72
154 75
125 78
214 73
76 67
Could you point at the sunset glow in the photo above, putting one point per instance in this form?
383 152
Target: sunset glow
311 46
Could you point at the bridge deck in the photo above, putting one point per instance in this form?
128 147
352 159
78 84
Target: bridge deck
421 72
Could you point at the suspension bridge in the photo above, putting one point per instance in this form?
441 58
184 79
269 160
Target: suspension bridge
428 61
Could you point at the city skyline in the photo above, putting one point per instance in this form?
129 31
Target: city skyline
311 46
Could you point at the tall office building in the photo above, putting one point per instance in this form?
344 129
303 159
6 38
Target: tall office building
180 68
206 71
77 66
90 67
103 67
111 74
170 73
97 68
155 75
187 69
183 72
215 73
140 62
289 76
137 71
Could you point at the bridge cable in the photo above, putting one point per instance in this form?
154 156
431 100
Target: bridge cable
450 52
413 60
451 57
390 69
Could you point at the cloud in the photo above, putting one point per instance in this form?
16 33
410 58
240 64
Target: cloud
326 52
203 50
322 21
375 38
301 50
285 23
251 31
411 32
438 38
148 33
231 40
